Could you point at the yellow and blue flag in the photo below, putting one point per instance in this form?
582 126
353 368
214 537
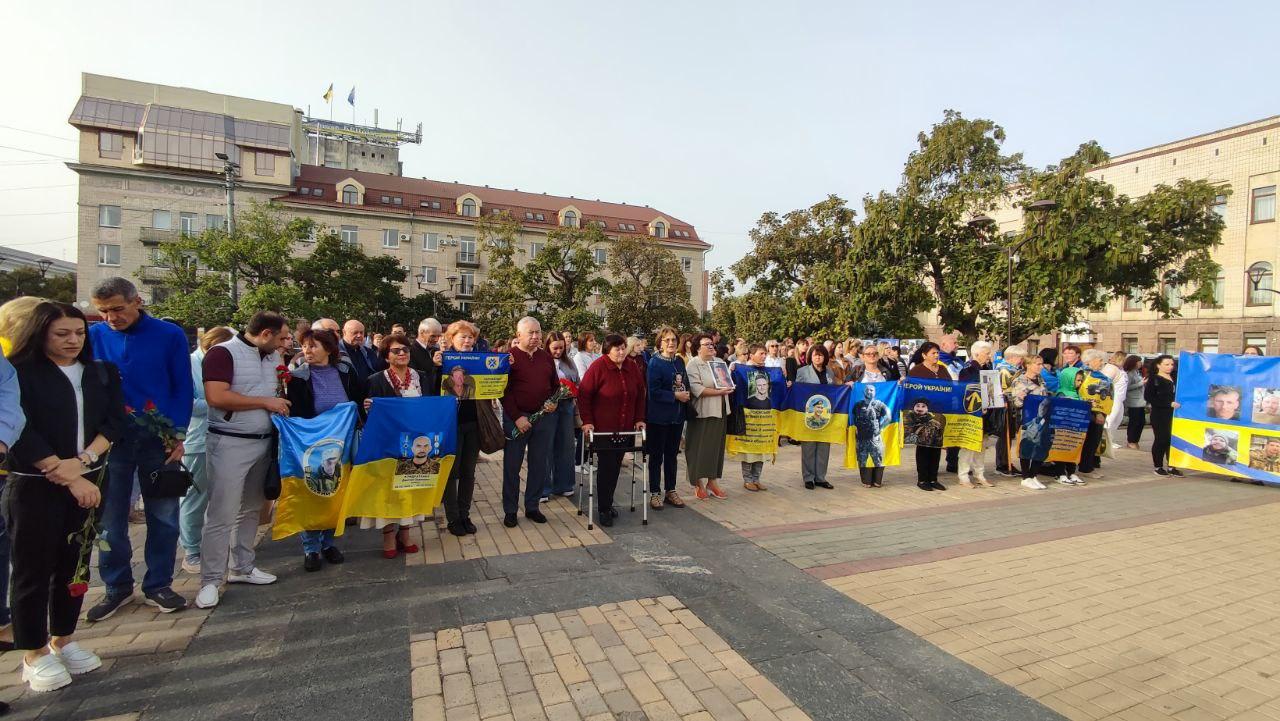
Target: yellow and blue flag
1228 417
815 412
1053 428
315 465
942 413
758 395
403 461
875 426
479 376
328 94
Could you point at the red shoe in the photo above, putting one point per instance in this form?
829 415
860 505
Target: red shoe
716 492
391 553
408 549
700 493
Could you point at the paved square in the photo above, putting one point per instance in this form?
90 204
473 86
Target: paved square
644 659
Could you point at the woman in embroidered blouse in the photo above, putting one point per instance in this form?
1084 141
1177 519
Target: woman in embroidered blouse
398 380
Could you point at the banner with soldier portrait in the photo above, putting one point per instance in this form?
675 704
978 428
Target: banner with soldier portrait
474 376
1228 418
758 395
315 462
942 413
875 426
814 412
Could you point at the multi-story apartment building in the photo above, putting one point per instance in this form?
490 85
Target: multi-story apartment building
1247 159
149 173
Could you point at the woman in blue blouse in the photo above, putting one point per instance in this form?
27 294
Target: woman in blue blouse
668 392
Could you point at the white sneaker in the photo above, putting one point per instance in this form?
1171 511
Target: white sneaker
46 674
76 660
208 596
1031 483
1039 486
255 576
1065 481
1078 480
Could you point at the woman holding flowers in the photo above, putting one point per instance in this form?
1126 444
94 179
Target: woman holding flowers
75 411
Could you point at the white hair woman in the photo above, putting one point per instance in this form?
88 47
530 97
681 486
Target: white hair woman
973 463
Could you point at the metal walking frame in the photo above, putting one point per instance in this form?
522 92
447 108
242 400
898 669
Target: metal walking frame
589 460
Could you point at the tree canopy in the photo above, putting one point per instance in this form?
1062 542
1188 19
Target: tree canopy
29 281
648 288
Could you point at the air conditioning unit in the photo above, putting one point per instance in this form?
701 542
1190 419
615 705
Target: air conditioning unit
405 237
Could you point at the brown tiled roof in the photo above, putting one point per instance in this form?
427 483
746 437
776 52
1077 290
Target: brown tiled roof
414 191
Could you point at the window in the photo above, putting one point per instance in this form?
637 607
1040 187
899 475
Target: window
110 145
1133 301
1129 344
350 196
464 307
304 190
603 225
1264 204
570 219
109 216
688 290
496 211
1259 279
1219 287
541 218
397 200
264 163
385 199
469 208
1167 344
467 249
215 221
161 220
1220 206
431 241
350 234
466 283
187 223
317 192
390 238
1173 294
686 263
108 254
1259 340
659 230
601 256
429 274
1208 342
435 205
528 215
534 249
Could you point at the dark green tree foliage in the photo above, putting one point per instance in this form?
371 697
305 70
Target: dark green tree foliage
648 288
30 281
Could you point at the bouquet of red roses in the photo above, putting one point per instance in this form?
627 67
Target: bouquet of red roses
566 391
282 381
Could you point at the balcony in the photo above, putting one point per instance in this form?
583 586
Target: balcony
466 291
154 236
468 259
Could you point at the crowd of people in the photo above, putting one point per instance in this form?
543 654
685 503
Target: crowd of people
92 414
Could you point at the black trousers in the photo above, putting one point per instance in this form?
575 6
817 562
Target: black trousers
871 474
1006 432
1030 468
461 487
1089 453
40 515
953 461
1137 421
1162 427
927 463
662 441
608 467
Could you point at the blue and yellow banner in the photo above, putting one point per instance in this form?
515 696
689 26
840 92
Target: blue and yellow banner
403 461
760 394
1053 428
480 376
1228 418
875 427
941 413
315 465
814 412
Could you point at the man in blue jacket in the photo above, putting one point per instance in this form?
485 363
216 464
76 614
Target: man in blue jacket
363 359
155 371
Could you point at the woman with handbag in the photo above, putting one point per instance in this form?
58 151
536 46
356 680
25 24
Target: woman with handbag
704 437
460 489
75 411
321 382
397 381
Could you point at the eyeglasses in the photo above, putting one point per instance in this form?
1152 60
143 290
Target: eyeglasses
397 350
706 344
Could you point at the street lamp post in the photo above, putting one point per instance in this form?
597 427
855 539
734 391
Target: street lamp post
229 169
435 297
1038 207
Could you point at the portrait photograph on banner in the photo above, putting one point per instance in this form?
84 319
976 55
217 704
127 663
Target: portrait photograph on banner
758 396
1228 418
814 412
875 427
315 463
942 413
474 375
1053 429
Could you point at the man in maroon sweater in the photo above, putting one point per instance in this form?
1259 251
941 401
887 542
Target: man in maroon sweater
530 382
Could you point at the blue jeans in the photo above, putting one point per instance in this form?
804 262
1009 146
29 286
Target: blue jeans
313 541
191 509
137 452
538 443
562 446
5 617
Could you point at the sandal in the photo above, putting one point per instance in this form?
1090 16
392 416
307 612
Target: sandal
751 486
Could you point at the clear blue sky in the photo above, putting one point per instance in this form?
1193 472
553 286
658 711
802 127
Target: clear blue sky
714 112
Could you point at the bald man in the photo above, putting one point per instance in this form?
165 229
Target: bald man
364 361
530 382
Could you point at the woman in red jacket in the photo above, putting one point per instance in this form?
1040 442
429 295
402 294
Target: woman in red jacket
611 399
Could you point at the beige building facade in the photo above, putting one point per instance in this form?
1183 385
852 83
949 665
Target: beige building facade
1245 158
148 175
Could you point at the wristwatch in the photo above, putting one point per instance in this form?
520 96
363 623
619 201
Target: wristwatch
93 457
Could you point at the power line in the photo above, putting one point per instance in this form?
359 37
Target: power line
36 132
36 242
36 152
39 187
24 215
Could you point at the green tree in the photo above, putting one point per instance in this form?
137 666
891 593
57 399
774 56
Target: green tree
193 296
29 281
648 287
562 278
338 280
501 299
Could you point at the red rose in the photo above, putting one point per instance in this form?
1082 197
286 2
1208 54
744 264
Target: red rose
128 409
150 406
78 589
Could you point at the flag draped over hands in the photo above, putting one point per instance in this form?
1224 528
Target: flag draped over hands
315 465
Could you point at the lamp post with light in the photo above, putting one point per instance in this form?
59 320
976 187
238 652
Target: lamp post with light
1038 208
435 295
